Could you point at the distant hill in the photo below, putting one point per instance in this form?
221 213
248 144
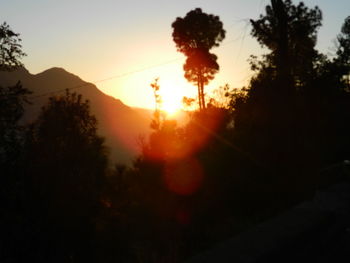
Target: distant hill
119 124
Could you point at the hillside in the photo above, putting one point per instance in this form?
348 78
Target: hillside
118 123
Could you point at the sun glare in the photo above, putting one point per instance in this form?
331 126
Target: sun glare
171 98
171 107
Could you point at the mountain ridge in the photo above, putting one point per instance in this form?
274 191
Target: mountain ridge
120 124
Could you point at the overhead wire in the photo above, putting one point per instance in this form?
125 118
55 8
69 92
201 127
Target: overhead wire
106 79
138 70
217 136
242 41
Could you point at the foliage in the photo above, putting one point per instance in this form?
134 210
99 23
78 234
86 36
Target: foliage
187 102
201 67
194 35
156 121
343 53
66 165
257 146
197 30
226 97
10 48
12 100
292 117
290 32
65 139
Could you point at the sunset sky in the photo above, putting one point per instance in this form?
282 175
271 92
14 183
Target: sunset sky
130 43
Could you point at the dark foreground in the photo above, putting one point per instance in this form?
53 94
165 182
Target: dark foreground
314 231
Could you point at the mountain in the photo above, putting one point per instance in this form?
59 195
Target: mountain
121 125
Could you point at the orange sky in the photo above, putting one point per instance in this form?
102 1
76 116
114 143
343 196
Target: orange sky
124 41
157 57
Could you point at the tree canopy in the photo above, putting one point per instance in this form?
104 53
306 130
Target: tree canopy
10 48
343 52
66 162
290 32
197 30
194 36
12 99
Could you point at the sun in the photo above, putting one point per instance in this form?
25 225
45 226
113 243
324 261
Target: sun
171 107
171 102
171 98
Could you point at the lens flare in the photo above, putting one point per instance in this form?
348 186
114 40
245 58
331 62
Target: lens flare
183 177
183 217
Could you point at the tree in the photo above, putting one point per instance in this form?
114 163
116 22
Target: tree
12 99
343 53
277 122
66 165
10 48
344 42
333 80
194 35
290 32
156 121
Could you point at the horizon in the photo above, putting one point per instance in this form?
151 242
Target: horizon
137 52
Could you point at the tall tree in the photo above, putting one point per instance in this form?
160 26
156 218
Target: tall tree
273 123
290 32
66 166
343 53
10 48
12 100
194 36
334 82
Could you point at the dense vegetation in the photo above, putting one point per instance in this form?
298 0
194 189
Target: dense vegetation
238 161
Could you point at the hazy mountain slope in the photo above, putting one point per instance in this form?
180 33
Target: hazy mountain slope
118 123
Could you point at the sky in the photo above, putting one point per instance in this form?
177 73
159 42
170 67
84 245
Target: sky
122 46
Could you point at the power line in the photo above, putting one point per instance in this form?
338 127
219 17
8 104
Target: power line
106 79
129 72
242 41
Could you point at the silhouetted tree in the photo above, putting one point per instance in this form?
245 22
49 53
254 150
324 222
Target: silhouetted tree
156 121
290 32
12 100
276 121
10 48
195 35
332 82
66 165
343 53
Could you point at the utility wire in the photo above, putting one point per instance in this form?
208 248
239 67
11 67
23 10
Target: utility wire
109 78
129 72
242 41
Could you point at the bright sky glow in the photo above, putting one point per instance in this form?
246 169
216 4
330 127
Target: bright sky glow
106 39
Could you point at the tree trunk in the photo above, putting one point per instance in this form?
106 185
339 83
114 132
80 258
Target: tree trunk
202 94
200 85
200 90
